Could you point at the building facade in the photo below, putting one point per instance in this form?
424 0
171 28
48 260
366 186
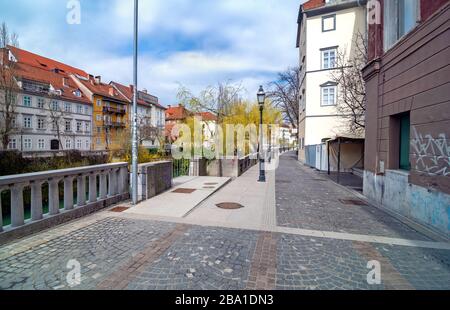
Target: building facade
110 116
325 28
407 162
51 113
151 116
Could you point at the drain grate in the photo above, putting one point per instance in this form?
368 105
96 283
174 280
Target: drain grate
119 209
184 191
353 202
230 206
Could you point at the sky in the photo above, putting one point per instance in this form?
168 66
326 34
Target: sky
194 43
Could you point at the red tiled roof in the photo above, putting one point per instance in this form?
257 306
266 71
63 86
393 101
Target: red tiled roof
207 116
68 87
43 62
128 92
177 113
104 90
313 4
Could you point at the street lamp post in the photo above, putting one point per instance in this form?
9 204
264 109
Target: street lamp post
134 168
261 100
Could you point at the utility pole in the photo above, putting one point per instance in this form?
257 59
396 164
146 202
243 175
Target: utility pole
134 168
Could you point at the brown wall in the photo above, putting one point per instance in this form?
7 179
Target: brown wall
413 76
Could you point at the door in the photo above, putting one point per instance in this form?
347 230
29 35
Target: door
54 145
405 136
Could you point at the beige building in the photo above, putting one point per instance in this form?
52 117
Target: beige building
325 28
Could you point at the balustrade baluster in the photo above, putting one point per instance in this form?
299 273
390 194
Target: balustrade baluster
103 186
17 212
36 201
92 188
81 191
68 193
53 197
112 183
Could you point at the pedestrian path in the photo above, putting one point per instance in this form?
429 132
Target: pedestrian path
182 198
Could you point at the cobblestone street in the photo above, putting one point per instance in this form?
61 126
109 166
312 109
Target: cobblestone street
318 244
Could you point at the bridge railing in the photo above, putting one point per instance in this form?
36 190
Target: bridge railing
99 185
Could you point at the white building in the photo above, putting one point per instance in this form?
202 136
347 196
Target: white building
151 116
324 29
51 113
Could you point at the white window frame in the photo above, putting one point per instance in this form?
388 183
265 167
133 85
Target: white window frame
393 18
68 144
12 145
79 126
67 107
79 109
41 144
41 103
325 55
326 89
28 122
27 101
79 144
55 105
41 123
68 122
27 144
99 102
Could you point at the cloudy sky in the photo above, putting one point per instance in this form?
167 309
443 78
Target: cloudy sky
195 43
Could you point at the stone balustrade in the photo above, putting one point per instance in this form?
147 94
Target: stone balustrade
113 186
154 179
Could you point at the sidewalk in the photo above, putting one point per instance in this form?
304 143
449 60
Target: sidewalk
187 193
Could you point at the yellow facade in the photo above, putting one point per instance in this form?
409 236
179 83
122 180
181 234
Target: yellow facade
110 123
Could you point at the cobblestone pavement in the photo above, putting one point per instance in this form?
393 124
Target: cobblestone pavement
118 252
308 200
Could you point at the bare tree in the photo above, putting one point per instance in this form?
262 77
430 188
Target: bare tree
8 87
57 119
285 94
348 76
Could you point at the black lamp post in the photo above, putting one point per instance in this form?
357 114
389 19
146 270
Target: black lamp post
261 100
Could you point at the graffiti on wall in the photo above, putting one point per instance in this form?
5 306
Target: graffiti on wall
432 154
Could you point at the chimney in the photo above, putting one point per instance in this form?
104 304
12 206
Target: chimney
111 91
98 79
145 91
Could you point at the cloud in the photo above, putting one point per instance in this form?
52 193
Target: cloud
193 42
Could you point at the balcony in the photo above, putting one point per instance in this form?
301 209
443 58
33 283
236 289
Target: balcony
115 124
111 110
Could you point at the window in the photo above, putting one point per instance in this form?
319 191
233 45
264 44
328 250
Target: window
27 144
329 58
79 126
41 103
99 141
79 145
99 103
88 146
328 94
68 144
86 110
12 144
99 118
41 144
77 93
400 17
68 125
41 123
27 101
13 122
329 23
99 129
87 127
79 109
55 105
67 107
27 123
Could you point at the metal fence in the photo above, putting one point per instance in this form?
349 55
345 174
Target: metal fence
181 167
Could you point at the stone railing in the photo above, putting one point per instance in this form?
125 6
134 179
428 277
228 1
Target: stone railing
246 163
113 186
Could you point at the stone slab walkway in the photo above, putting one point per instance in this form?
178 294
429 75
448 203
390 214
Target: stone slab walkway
179 204
296 235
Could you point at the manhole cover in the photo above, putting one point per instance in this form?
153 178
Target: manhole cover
229 206
118 209
184 191
353 202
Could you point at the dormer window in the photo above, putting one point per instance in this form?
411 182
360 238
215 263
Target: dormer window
77 93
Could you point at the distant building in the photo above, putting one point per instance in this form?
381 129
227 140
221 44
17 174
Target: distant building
52 112
324 29
407 156
151 116
110 112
